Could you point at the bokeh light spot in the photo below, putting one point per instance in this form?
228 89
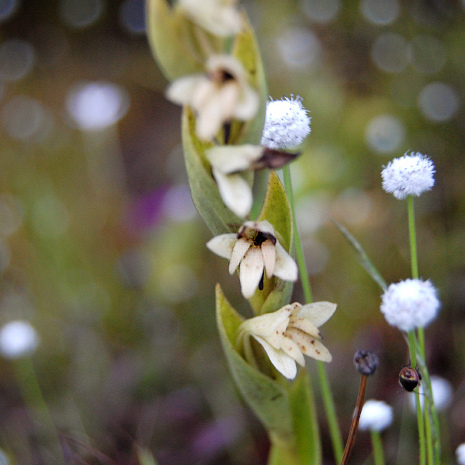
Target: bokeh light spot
7 9
385 133
17 57
299 48
438 102
97 105
427 54
5 257
26 119
380 12
11 214
321 11
390 53
49 217
132 16
80 14
177 283
177 204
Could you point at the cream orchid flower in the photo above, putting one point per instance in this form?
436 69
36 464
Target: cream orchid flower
255 250
227 162
218 96
288 334
219 17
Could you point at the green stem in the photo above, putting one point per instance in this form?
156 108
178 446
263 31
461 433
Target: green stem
328 401
35 401
420 421
377 446
299 251
430 416
413 238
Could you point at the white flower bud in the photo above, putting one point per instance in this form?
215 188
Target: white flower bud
286 124
18 339
410 304
408 175
376 416
442 394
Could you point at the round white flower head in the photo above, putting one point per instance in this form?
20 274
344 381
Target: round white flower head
286 123
460 454
376 416
410 304
442 394
18 339
408 175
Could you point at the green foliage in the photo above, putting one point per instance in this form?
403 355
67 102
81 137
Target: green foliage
170 37
205 194
267 398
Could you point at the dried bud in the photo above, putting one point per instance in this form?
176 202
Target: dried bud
274 159
366 362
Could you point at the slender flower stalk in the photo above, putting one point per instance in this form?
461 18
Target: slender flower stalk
325 388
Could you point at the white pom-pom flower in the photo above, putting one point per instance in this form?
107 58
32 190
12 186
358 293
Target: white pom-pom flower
460 454
410 304
442 394
255 250
18 339
287 124
408 175
288 334
376 416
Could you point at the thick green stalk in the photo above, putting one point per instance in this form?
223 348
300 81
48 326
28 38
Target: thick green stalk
328 401
377 445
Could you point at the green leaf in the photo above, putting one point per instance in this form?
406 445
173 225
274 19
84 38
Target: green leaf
266 397
305 421
204 191
276 209
172 40
246 50
363 257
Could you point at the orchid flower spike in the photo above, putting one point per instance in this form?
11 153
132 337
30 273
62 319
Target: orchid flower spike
219 17
255 250
218 96
288 334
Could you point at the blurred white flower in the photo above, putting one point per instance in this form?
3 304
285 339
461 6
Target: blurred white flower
410 304
286 124
376 416
220 17
94 106
460 454
255 250
18 339
218 96
408 175
288 334
227 162
442 393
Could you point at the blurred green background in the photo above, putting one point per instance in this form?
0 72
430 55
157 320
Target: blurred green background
103 252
